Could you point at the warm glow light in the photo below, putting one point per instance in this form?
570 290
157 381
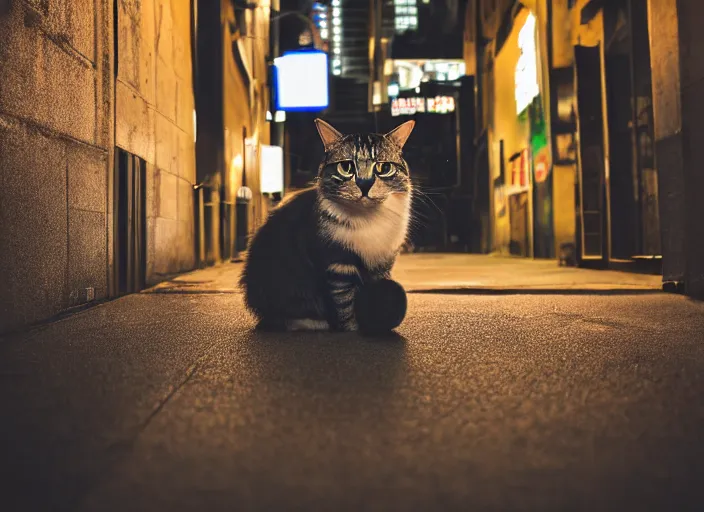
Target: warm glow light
195 126
236 165
388 67
376 96
526 78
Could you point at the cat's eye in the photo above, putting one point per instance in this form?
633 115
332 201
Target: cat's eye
344 169
385 169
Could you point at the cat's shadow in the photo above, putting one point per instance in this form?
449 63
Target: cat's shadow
330 363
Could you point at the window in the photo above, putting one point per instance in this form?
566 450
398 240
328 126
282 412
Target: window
406 15
404 23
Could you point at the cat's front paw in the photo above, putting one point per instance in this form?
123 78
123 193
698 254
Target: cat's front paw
350 326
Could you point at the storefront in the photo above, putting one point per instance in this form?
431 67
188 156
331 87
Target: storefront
520 160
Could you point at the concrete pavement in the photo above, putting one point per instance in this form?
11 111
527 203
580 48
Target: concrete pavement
570 393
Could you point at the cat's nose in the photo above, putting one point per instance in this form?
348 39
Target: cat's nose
364 184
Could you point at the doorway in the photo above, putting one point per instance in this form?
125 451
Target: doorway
130 223
634 221
592 240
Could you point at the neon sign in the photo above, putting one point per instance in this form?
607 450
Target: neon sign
410 106
526 77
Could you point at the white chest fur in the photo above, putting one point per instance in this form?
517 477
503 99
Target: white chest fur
376 236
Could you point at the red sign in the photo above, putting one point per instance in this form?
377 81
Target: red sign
542 166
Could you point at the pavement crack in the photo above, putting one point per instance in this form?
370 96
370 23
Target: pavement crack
171 391
121 448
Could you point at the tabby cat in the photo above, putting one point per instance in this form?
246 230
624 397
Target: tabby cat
306 262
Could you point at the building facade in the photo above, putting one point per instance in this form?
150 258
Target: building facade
127 132
96 152
232 99
677 84
565 114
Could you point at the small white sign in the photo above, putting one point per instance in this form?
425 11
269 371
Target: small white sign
272 169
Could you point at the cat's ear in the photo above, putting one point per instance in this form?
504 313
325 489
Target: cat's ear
401 133
328 134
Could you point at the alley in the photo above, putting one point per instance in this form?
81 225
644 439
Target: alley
523 386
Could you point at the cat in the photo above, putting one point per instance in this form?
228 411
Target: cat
305 264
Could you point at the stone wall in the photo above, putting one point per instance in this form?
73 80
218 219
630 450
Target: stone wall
154 115
55 148
63 110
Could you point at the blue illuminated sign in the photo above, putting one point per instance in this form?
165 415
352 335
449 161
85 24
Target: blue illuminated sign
301 81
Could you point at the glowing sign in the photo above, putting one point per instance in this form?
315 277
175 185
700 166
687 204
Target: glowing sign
412 72
407 106
302 81
441 104
526 77
410 106
272 169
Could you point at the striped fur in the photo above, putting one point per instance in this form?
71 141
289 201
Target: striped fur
306 263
